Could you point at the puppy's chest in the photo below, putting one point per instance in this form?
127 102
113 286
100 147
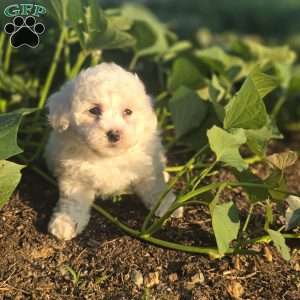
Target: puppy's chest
110 177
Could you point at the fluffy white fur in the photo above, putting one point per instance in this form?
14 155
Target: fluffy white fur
83 159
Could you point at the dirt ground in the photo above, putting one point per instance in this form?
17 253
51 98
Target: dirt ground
113 266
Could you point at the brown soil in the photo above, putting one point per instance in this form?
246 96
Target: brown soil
33 263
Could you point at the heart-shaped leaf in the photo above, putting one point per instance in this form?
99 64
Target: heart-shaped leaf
280 244
9 125
258 139
187 110
184 72
226 146
217 59
275 54
150 33
247 109
277 184
226 225
10 176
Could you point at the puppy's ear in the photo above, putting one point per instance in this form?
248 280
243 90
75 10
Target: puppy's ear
59 106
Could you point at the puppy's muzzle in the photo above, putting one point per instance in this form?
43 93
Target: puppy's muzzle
113 136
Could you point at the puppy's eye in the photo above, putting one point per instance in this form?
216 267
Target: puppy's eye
96 111
127 112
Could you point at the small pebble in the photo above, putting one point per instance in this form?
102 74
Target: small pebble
173 277
197 278
137 278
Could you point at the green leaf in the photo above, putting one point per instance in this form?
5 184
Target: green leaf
216 94
75 11
95 30
75 14
273 54
226 146
269 218
187 110
246 109
255 194
280 244
264 83
184 72
277 181
283 73
176 48
226 225
150 33
10 176
56 9
294 86
98 21
217 59
258 139
110 39
120 22
9 125
197 138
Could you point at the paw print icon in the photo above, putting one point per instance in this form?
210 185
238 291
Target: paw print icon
24 31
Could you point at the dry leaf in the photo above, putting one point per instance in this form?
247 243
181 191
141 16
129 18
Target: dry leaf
235 290
151 279
268 254
283 160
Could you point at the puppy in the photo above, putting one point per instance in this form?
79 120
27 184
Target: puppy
104 142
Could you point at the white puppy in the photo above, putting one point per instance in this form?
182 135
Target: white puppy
105 141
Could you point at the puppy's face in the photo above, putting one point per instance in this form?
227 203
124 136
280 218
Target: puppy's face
110 110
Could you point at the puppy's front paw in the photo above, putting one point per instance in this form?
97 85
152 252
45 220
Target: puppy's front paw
62 226
166 204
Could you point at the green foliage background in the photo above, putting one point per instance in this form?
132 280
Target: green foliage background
215 93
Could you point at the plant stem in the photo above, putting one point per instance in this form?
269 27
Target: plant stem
213 252
248 218
133 62
43 174
2 40
67 60
41 145
267 238
78 64
204 174
161 96
157 224
160 199
38 171
52 70
7 57
278 105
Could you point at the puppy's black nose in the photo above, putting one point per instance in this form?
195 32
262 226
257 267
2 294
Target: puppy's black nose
113 135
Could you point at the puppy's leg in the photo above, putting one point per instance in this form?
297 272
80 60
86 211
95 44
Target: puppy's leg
150 188
72 211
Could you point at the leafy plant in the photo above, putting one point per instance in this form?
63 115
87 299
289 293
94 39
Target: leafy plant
9 172
220 101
